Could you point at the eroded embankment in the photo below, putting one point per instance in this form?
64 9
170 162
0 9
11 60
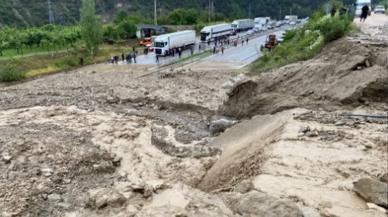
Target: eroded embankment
346 73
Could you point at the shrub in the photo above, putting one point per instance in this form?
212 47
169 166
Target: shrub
304 43
67 62
10 73
333 28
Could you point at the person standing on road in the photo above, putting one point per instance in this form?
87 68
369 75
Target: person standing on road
134 57
214 49
247 40
129 58
364 13
242 42
222 50
157 59
180 52
122 57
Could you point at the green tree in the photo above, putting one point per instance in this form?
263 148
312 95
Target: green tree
120 16
91 27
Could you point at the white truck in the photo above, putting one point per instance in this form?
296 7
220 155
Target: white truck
215 32
164 44
261 23
243 25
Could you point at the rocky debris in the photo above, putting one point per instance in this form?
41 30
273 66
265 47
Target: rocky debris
219 124
384 178
47 172
6 157
374 206
372 191
160 139
55 198
304 129
244 187
102 198
184 201
258 204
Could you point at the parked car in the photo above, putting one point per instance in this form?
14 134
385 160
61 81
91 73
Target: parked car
250 32
380 9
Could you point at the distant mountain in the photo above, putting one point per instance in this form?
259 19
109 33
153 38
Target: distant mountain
24 13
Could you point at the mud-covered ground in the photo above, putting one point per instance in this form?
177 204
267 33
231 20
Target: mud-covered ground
139 141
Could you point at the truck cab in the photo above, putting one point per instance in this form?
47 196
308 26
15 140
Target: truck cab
161 47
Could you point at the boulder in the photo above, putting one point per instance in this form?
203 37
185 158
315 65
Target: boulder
372 191
258 204
384 178
220 124
244 187
101 198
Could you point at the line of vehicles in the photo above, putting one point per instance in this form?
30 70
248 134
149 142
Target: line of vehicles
164 45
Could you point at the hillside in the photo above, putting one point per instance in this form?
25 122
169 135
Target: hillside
24 13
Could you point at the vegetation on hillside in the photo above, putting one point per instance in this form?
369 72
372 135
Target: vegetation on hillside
26 13
304 43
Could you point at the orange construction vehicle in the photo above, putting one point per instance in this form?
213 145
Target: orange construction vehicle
271 42
146 42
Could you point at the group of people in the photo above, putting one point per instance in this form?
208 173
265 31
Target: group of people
129 58
227 42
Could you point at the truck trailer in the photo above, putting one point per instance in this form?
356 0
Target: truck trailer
261 23
164 44
243 25
216 32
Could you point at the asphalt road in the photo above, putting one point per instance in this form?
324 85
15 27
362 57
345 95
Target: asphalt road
237 56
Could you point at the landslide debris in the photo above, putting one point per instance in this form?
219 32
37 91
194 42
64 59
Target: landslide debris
345 73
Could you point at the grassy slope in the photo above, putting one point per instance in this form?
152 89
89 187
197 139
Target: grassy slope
304 43
46 63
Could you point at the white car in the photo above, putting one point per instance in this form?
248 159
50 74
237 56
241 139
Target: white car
379 9
250 32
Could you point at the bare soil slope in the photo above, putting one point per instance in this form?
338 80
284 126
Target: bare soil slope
346 73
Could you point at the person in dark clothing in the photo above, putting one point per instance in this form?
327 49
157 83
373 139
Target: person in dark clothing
134 57
157 59
81 61
116 59
364 13
214 49
333 11
247 40
180 52
122 57
222 50
129 58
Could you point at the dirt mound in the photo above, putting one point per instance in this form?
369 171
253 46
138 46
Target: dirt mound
345 73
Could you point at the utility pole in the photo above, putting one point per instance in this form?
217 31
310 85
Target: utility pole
50 12
250 9
212 10
209 13
155 13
